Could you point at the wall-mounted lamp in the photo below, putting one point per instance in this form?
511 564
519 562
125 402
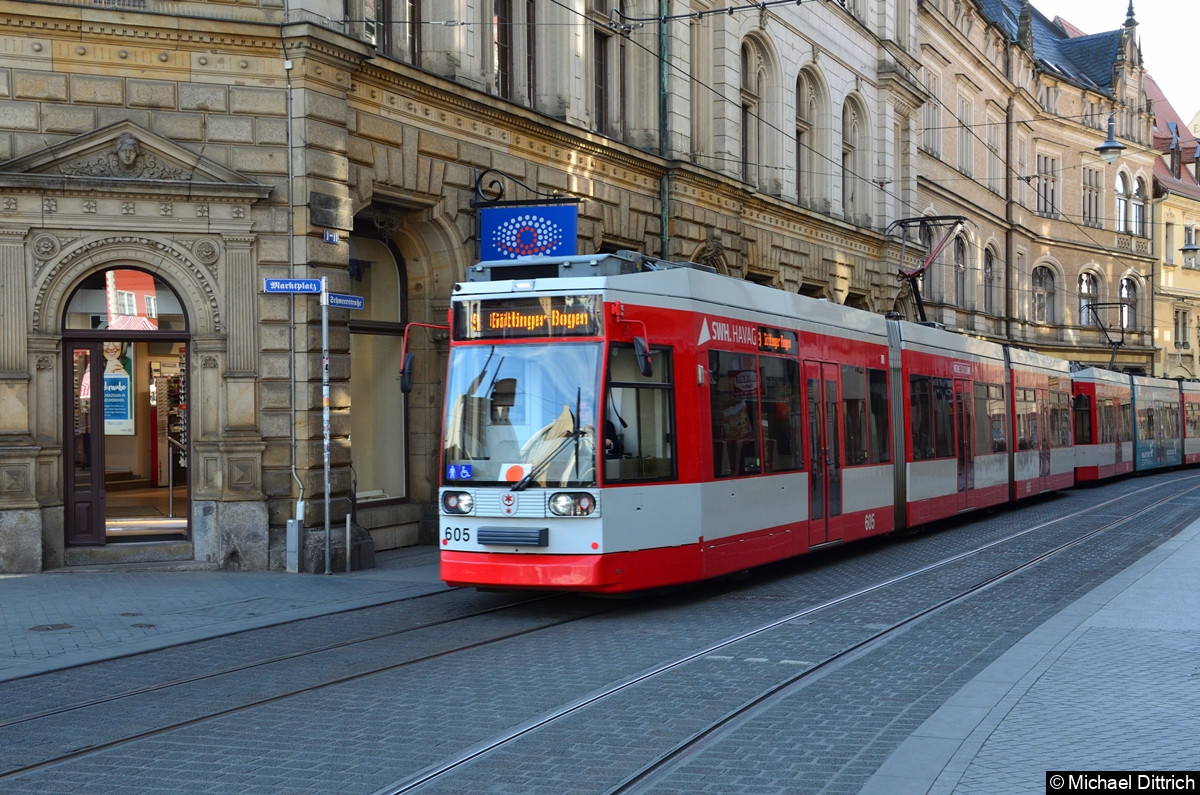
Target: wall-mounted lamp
1190 248
1111 149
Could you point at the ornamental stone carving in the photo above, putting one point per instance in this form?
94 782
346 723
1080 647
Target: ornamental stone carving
206 251
46 247
125 159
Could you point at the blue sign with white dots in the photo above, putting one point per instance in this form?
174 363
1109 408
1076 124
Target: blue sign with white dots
528 231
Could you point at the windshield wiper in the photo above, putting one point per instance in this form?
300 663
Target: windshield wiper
537 468
577 430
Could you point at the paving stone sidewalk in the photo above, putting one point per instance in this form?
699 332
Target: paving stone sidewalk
61 618
1110 683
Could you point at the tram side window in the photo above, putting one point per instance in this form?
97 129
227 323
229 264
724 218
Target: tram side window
920 398
865 413
780 382
932 401
881 438
638 417
943 418
1083 419
1145 423
991 420
1060 419
1108 421
1027 419
984 438
1192 412
735 413
1125 423
854 412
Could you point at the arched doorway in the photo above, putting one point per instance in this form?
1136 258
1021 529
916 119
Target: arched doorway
125 367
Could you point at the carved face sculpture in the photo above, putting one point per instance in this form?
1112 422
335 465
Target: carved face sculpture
127 150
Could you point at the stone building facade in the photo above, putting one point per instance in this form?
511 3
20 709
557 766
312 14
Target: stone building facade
175 176
1177 275
1058 252
170 171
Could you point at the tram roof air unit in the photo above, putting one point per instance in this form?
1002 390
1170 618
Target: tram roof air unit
607 264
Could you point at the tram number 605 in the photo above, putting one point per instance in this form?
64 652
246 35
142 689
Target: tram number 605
458 534
869 523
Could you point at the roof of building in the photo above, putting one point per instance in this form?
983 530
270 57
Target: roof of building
1165 116
1170 128
1062 48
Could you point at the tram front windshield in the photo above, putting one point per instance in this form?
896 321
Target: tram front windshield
521 415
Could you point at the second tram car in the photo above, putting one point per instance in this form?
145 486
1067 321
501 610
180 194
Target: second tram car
616 423
1103 402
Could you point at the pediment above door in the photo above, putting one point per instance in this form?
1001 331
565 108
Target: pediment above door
126 159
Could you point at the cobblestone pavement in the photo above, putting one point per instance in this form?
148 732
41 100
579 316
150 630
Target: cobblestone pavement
62 618
1103 678
1109 683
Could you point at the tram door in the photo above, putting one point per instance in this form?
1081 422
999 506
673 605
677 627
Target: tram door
965 446
825 452
84 488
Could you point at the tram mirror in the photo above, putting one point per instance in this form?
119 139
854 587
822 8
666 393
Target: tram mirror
642 351
406 373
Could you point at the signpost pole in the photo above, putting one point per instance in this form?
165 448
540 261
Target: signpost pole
325 410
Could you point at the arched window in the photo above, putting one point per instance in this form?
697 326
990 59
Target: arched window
1138 209
813 127
1087 297
925 236
502 47
989 281
1128 303
854 157
412 30
753 85
124 299
1043 295
960 271
806 114
1122 192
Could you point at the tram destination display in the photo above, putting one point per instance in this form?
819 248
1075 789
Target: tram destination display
542 316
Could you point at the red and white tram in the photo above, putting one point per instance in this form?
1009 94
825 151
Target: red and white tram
1191 421
953 393
1103 424
1044 458
614 423
1157 423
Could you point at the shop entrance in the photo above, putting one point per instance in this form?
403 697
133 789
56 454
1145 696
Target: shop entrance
126 416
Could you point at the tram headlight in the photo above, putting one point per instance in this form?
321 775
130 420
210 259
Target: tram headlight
457 502
572 503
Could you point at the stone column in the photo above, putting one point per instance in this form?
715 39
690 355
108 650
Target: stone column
20 520
13 304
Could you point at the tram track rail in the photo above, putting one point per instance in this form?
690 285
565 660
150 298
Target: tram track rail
32 718
664 763
645 779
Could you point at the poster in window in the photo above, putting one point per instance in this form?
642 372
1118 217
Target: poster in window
118 389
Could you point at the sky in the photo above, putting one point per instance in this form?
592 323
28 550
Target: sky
1164 27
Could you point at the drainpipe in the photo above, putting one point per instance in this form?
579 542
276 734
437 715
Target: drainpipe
295 526
1010 244
664 182
1157 209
